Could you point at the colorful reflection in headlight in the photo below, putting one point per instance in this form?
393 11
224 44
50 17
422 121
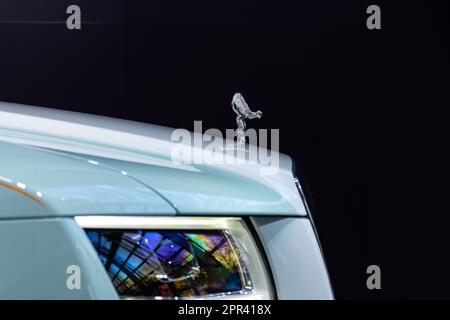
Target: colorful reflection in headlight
172 264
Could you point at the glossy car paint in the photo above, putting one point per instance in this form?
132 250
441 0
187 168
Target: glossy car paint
111 149
295 258
68 185
36 254
57 164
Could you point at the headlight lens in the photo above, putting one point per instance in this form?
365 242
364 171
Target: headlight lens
178 257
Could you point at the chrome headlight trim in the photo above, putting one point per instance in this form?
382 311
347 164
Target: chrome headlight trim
157 222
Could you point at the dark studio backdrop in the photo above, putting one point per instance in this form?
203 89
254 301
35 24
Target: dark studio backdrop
347 101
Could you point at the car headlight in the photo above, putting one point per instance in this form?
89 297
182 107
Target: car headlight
179 257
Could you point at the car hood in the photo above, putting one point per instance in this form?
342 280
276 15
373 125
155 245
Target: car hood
56 162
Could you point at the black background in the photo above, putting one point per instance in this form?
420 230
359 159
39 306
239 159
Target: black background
350 102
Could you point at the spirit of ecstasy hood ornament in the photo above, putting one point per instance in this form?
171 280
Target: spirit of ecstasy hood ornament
243 112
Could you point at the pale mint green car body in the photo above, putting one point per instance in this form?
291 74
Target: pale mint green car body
55 165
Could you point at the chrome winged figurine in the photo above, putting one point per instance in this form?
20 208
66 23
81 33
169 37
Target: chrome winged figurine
243 112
